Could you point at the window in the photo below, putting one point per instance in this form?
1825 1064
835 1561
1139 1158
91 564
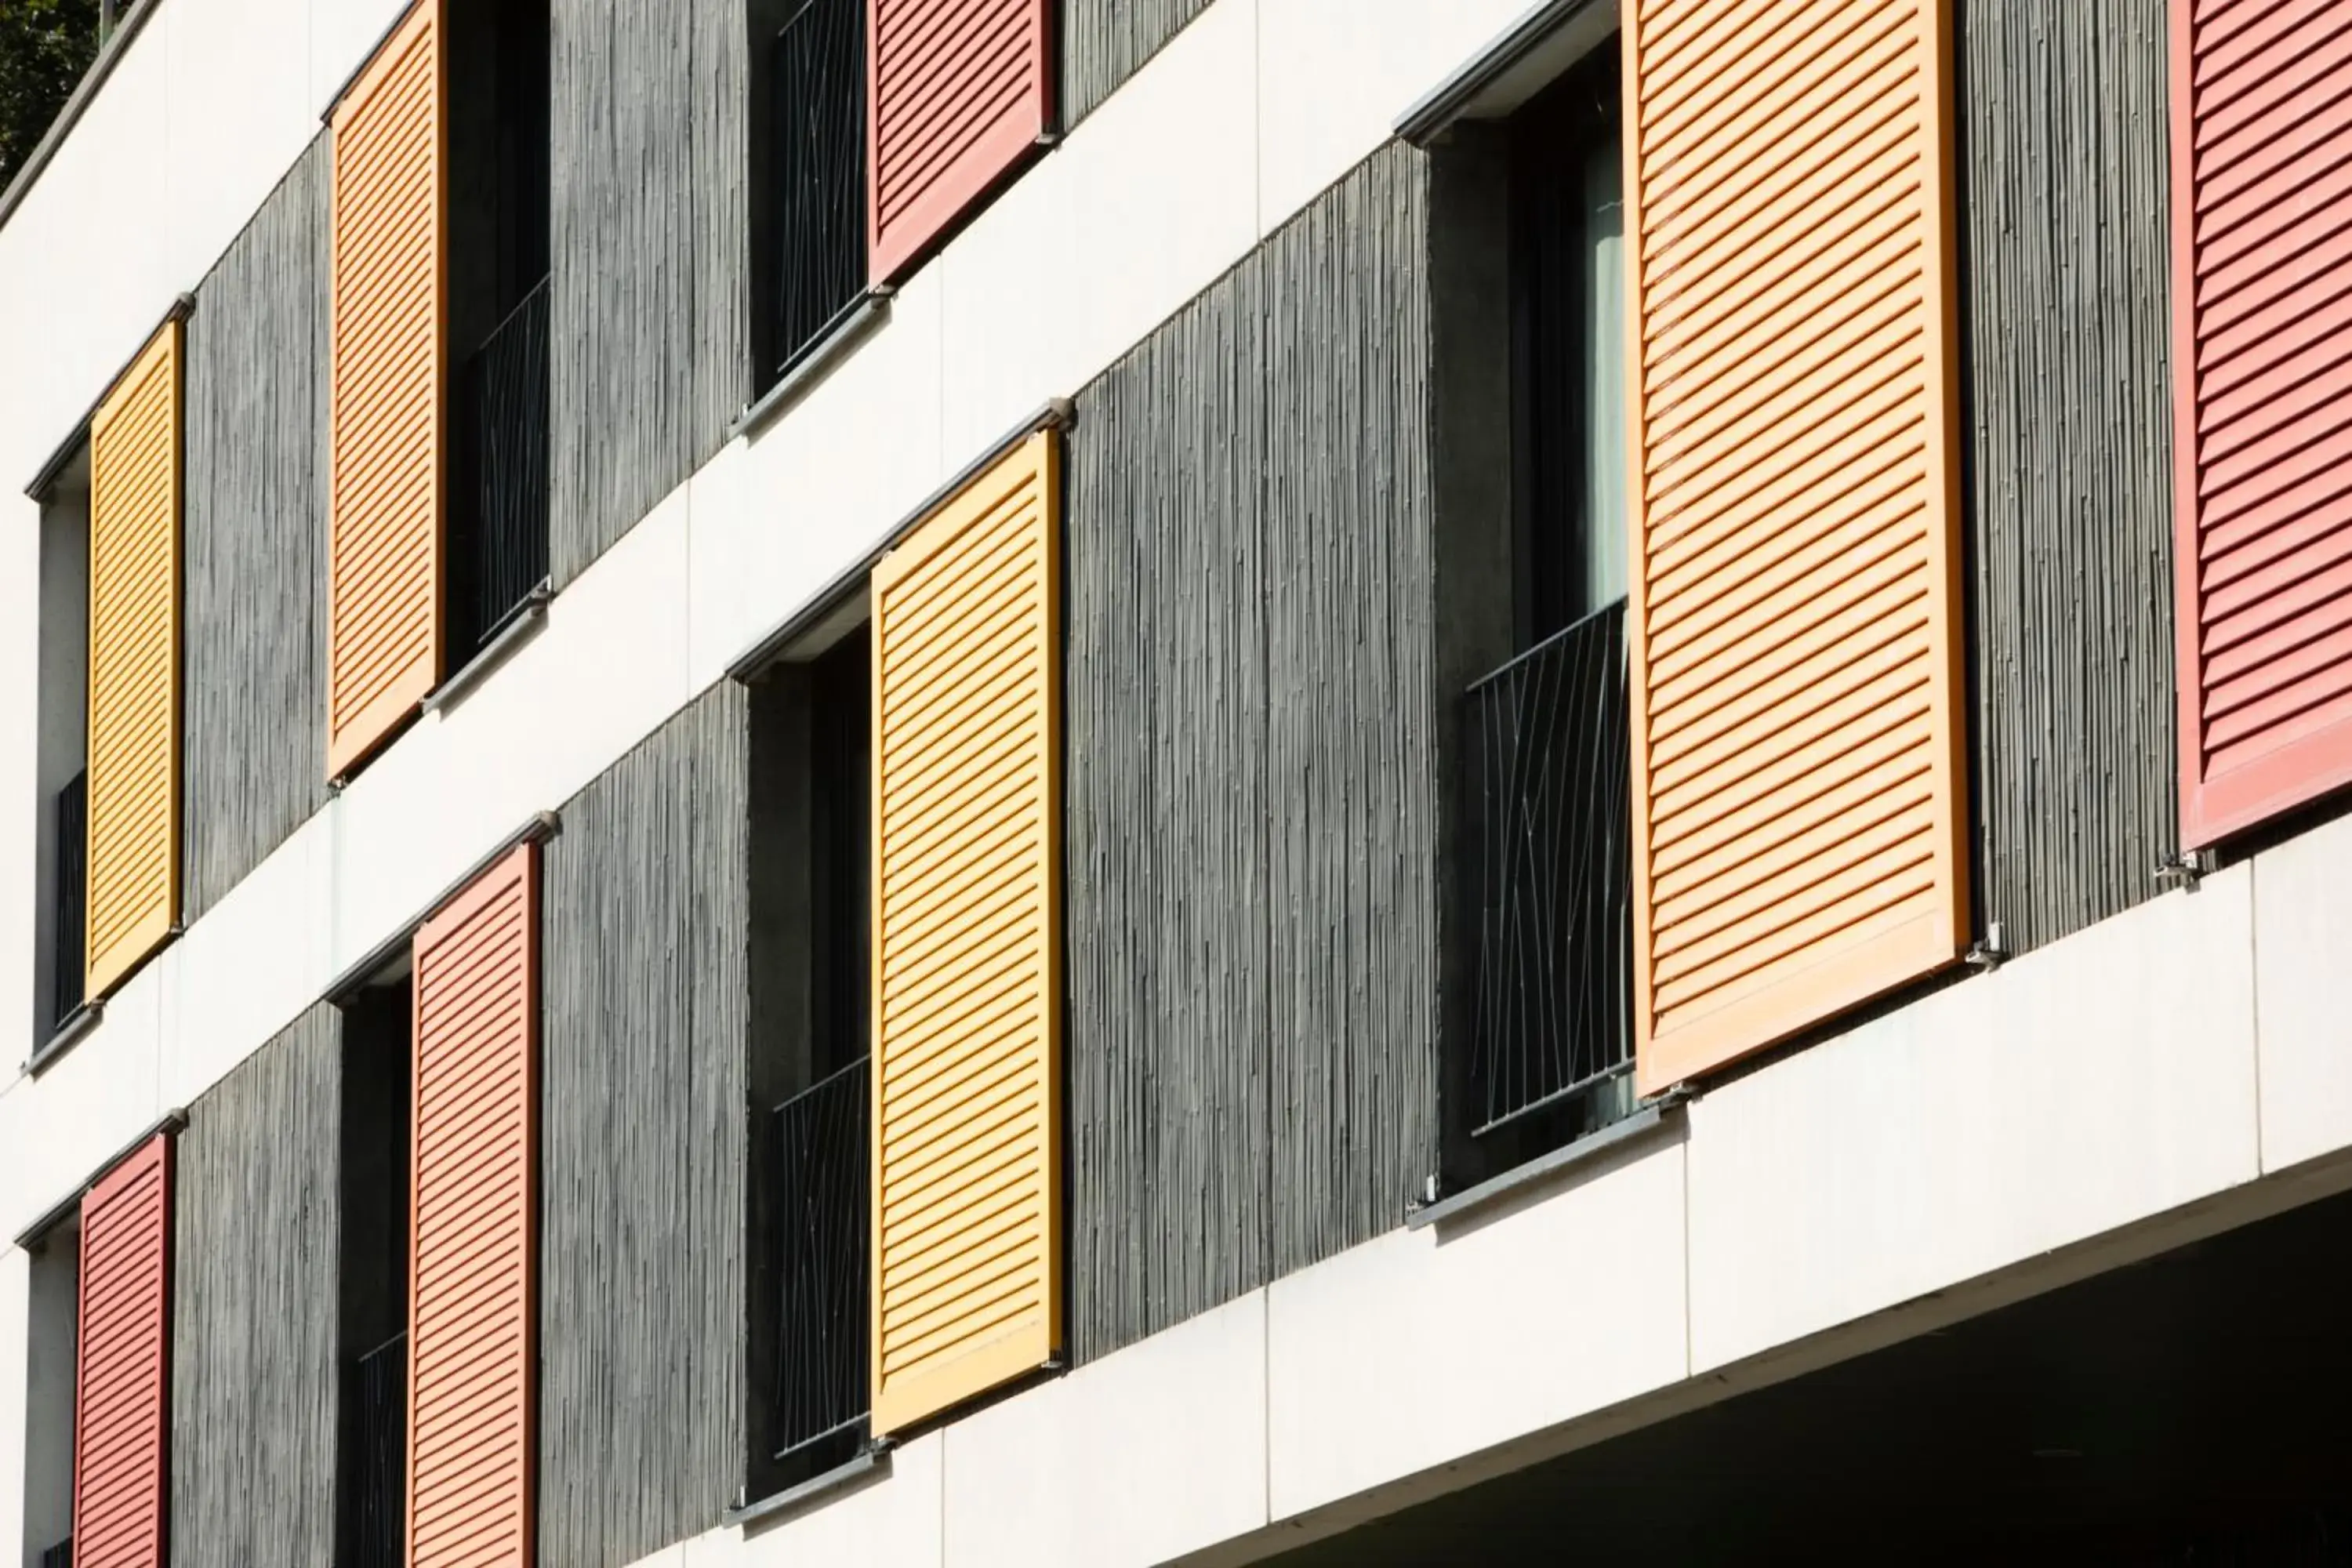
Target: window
62 747
808 175
55 1265
1541 1026
373 1311
812 862
498 203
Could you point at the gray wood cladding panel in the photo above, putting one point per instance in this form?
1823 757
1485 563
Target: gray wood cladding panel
254 1372
254 547
2065 256
1104 42
642 1146
1251 839
649 335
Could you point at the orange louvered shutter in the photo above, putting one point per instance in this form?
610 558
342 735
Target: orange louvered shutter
1795 604
958 92
967 942
2261 214
123 1364
387 464
472 1312
134 666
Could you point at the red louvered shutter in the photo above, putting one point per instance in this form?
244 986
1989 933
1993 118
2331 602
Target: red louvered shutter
960 93
472 1312
2261 188
123 1364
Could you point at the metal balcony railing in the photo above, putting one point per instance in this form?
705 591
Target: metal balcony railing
821 1164
499 526
70 814
817 117
1547 884
375 1458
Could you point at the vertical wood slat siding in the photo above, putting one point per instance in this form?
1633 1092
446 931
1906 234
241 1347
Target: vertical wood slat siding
387 466
473 1233
1104 42
257 1228
958 92
2262 141
649 305
2068 252
255 532
1252 752
967 943
134 666
122 1364
643 1148
1796 611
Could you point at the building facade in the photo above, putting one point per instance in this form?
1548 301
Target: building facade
1082 781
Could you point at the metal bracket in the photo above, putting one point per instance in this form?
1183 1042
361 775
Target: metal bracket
1991 952
2187 866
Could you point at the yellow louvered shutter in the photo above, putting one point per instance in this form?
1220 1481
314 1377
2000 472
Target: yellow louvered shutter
387 467
967 942
134 666
1795 604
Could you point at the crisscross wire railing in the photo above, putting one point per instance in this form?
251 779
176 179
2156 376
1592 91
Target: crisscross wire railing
822 1179
500 546
1548 795
817 111
70 818
375 1458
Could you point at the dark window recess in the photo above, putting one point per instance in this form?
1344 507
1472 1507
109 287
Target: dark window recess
371 1307
375 1457
498 317
811 1306
498 545
71 816
1546 1047
816 219
58 1556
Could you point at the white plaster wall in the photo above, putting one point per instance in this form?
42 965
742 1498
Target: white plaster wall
900 1518
2303 979
1134 1459
2094 1082
1571 1303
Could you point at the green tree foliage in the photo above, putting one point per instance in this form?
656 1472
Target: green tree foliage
45 45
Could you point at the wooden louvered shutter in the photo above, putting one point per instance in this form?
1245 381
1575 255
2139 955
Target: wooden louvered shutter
472 1312
122 1364
1795 604
134 666
967 942
958 92
2261 214
387 469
